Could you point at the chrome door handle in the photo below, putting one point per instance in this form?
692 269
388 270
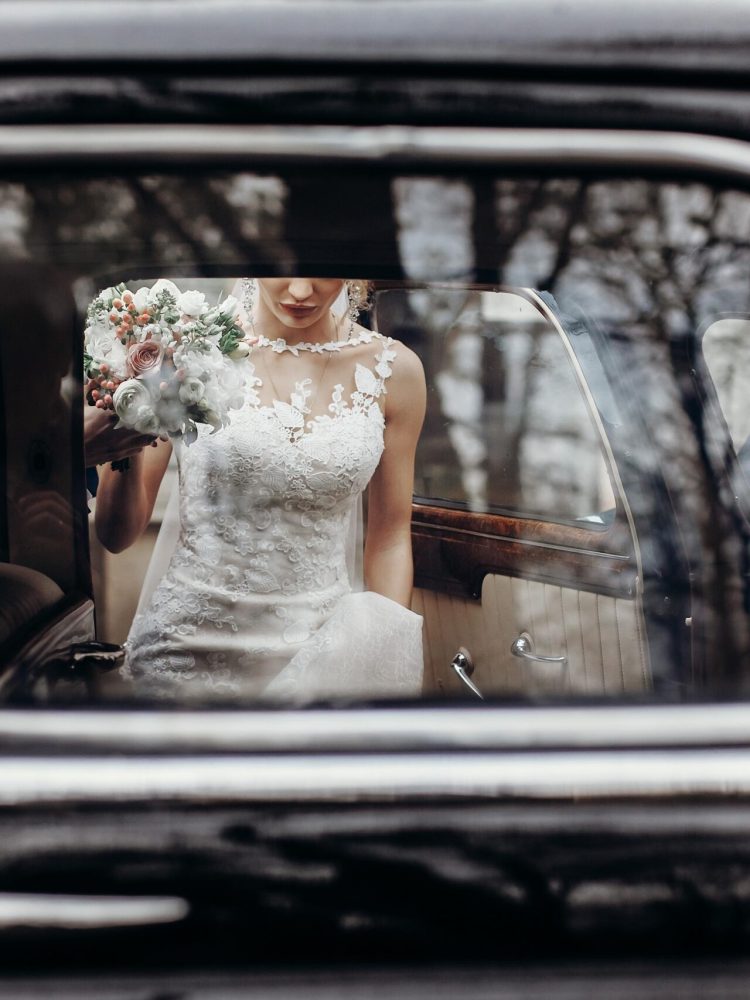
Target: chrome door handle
523 647
463 665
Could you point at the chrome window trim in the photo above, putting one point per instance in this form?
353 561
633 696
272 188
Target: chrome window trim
378 730
582 776
87 912
268 146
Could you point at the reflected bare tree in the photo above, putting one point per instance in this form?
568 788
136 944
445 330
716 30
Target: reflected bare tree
105 225
649 267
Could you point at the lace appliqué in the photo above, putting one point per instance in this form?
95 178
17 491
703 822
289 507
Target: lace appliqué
279 345
266 507
370 385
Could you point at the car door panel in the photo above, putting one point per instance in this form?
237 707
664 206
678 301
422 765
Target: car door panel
601 637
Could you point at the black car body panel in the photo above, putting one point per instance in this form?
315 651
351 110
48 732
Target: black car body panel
568 834
577 64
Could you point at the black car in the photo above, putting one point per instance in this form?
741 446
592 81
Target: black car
551 202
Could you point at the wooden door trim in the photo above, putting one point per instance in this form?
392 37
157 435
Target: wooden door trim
453 559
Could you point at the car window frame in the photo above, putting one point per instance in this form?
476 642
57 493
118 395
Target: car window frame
411 148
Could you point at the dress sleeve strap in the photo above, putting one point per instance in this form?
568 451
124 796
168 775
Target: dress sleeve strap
371 382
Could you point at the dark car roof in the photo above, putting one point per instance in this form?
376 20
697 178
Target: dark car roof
675 65
666 35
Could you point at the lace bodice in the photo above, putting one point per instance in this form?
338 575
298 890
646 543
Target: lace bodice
273 494
268 506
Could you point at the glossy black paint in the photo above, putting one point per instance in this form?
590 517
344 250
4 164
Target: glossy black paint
402 881
576 63
572 35
301 96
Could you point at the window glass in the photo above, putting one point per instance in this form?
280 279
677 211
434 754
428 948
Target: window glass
576 487
507 426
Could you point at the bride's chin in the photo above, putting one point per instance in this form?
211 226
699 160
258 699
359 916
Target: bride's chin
299 322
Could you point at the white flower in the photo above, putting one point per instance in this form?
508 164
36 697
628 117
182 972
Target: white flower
146 421
229 307
163 285
129 398
199 360
210 416
140 299
192 303
106 295
235 381
104 346
241 351
192 390
213 403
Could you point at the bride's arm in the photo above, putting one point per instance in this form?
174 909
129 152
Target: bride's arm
125 500
388 556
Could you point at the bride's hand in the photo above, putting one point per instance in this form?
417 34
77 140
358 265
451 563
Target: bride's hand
102 443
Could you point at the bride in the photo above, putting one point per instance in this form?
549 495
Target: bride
262 596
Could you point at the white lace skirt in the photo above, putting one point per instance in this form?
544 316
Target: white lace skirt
370 647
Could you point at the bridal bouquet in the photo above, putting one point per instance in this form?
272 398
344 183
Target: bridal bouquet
164 360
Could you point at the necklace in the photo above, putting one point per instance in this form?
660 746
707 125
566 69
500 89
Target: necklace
279 345
300 396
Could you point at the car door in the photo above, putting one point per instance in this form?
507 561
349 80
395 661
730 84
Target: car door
526 557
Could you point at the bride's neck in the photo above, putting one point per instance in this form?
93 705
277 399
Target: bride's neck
268 325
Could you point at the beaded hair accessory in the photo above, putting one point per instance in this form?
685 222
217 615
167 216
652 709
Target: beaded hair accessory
248 297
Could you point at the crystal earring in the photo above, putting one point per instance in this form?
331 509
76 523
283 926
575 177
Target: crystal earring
354 300
248 299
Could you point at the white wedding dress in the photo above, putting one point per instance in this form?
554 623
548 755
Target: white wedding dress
261 598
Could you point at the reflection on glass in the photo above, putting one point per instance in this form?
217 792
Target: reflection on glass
576 478
508 428
726 349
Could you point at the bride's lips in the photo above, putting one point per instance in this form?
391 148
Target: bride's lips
299 312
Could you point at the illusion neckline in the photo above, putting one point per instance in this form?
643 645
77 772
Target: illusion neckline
279 345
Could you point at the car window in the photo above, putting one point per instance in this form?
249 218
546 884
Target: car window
576 529
507 426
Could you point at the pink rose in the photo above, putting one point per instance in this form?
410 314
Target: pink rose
144 358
